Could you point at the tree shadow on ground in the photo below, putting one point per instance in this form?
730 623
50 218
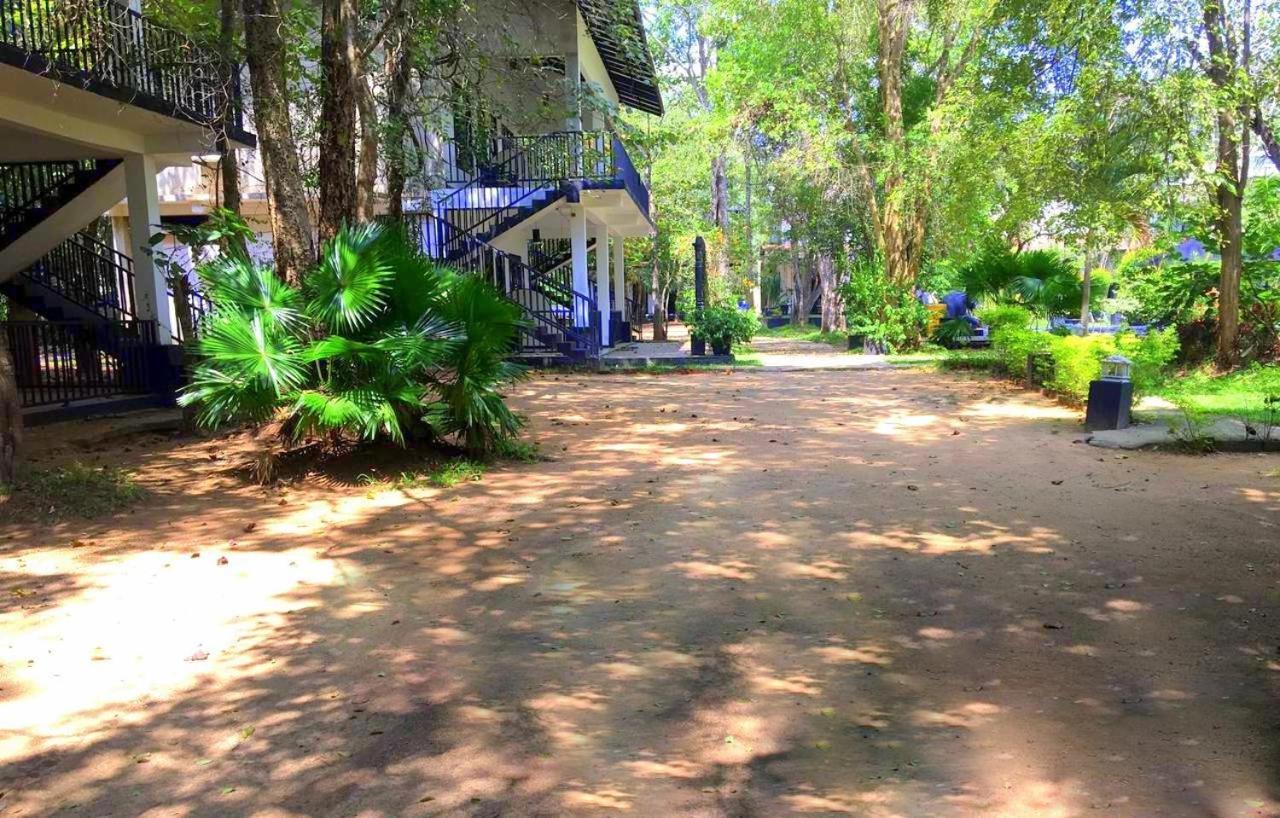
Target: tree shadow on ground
758 595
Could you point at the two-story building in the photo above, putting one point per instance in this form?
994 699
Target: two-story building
523 176
95 101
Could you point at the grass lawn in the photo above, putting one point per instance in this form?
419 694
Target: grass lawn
808 332
1240 394
1202 393
939 358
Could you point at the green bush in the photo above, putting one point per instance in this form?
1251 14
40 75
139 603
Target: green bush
1012 338
378 341
723 325
1077 360
887 315
1151 355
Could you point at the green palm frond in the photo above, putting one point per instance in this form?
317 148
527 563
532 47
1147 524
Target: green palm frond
368 411
236 284
253 348
223 397
348 288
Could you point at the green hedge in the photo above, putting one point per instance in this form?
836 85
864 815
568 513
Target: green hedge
1077 360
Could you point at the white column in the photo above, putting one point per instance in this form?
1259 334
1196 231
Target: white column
619 277
578 249
150 290
602 280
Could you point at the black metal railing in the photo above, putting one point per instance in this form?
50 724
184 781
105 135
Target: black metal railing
91 274
106 47
64 361
28 186
573 320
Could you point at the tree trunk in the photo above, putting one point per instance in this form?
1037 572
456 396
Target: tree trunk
367 173
1267 136
265 54
228 167
720 212
10 414
832 306
1231 179
752 253
398 65
659 297
340 74
1086 295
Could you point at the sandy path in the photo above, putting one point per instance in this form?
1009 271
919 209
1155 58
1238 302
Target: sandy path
743 595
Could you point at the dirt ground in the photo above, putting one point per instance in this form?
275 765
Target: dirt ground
730 594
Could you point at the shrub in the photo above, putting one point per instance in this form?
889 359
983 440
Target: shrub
1077 360
377 342
1151 355
1012 338
888 316
722 325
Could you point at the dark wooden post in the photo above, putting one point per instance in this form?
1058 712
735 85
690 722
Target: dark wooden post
698 346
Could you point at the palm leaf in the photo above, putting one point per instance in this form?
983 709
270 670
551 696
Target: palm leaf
349 287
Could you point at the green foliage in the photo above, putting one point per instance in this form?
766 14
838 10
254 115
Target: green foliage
1076 360
724 325
451 473
1243 393
378 342
888 316
806 332
1044 281
76 490
1152 354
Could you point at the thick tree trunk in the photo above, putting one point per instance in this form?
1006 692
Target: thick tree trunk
1228 224
228 19
367 169
720 212
1231 179
340 74
265 54
832 304
10 414
659 298
398 65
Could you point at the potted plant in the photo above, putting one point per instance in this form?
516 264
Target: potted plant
722 326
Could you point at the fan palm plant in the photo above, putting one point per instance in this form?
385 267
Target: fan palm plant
378 341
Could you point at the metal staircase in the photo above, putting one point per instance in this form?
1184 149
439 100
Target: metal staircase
86 341
521 176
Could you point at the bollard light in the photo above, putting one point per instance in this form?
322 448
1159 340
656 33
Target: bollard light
1111 396
1116 368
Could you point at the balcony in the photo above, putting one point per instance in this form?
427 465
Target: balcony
588 159
110 50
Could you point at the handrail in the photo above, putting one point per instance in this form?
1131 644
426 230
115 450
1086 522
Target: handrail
90 273
110 49
24 185
578 320
63 361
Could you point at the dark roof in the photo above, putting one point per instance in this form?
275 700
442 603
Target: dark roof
618 32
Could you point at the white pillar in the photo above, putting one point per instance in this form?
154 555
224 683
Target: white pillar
602 280
578 249
619 277
151 291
